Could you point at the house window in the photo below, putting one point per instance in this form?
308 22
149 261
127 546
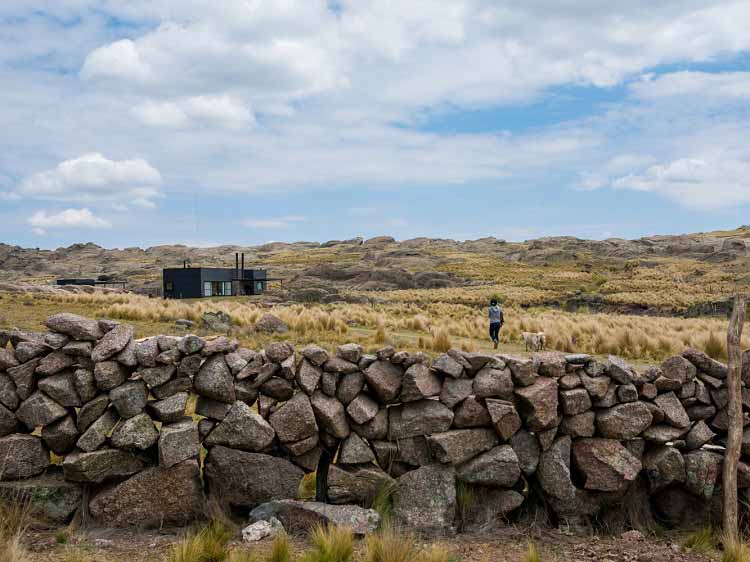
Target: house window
227 289
258 287
207 289
169 286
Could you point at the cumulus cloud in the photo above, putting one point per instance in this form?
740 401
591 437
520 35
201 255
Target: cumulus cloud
220 111
710 182
277 222
692 84
94 178
42 221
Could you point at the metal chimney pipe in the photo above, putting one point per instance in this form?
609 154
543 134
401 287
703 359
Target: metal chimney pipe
242 270
236 264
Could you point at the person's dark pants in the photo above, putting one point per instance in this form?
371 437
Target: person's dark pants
495 331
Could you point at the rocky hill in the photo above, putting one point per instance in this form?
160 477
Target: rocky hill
718 261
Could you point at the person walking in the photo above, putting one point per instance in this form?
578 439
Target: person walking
496 321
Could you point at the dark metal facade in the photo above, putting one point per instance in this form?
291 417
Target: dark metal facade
197 282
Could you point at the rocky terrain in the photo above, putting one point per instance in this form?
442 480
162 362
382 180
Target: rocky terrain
557 270
582 440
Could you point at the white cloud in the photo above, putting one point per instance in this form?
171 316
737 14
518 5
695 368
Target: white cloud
94 178
277 222
41 221
221 111
692 84
714 181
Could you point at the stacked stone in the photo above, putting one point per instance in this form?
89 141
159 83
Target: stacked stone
581 430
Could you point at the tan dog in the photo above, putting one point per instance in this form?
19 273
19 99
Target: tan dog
535 341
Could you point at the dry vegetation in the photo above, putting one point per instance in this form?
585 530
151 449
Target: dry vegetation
431 326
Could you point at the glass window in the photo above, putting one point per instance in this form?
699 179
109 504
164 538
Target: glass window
207 289
227 288
258 287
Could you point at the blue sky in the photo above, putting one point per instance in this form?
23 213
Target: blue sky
161 121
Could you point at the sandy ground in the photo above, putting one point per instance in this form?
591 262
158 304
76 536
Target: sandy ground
504 545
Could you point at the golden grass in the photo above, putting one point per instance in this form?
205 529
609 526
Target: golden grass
434 326
390 545
702 541
209 544
14 520
736 550
330 544
532 554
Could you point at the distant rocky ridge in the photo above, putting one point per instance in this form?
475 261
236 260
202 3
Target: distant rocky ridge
314 269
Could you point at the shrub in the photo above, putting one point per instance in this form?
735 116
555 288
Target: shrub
532 554
389 545
330 544
701 541
281 550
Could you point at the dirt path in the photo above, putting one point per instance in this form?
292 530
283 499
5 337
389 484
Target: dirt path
507 544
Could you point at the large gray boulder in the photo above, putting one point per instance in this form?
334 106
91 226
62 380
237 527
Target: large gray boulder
54 363
624 421
420 382
294 420
52 498
170 409
245 479
356 484
539 404
497 467
157 376
8 395
362 409
60 437
471 413
705 364
92 411
101 466
425 499
575 401
178 442
493 383
61 388
129 399
98 432
214 380
663 466
77 327
418 418
330 414
8 422
112 343
155 497
136 433
605 464
674 412
243 429
678 369
146 351
85 384
38 410
22 456
702 472
504 416
455 391
460 445
23 377
27 350
301 517
308 376
354 450
384 379
109 374
527 449
620 370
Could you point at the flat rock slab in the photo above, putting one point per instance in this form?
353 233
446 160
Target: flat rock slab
53 499
301 517
152 498
100 466
22 456
425 499
247 479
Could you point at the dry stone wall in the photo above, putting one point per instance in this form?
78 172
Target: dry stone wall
582 432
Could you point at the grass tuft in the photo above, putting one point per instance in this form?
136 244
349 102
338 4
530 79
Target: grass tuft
207 545
390 545
701 541
532 554
281 549
330 544
383 502
307 486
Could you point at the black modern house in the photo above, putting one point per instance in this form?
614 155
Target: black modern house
189 282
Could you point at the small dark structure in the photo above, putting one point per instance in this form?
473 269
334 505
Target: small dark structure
189 282
91 282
